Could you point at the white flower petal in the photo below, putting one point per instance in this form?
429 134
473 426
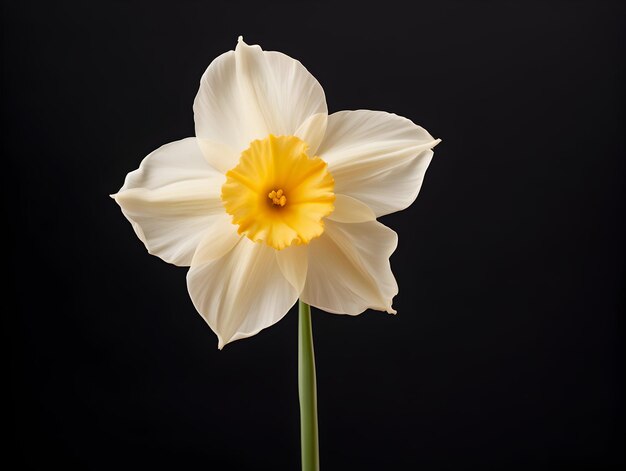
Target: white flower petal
348 209
171 199
377 157
349 270
170 163
249 93
217 240
218 155
312 131
293 263
240 293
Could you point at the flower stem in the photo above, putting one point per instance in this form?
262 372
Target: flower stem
308 391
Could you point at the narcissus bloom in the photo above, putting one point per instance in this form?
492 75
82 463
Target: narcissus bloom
274 199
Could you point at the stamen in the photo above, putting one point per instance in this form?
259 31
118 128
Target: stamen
278 197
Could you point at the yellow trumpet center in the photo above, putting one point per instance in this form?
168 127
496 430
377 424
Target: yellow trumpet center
277 194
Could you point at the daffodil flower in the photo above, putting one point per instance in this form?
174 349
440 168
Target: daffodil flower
274 199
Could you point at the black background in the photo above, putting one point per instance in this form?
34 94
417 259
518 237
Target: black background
507 349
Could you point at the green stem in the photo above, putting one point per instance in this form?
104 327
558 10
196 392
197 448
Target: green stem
308 391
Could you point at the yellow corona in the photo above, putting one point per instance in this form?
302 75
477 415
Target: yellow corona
277 194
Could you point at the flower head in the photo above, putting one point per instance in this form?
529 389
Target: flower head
274 199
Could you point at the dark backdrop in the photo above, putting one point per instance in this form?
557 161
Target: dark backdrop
507 349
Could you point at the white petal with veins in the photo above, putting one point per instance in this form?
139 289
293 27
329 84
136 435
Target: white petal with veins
293 262
348 209
312 132
240 293
349 270
249 93
376 157
171 199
